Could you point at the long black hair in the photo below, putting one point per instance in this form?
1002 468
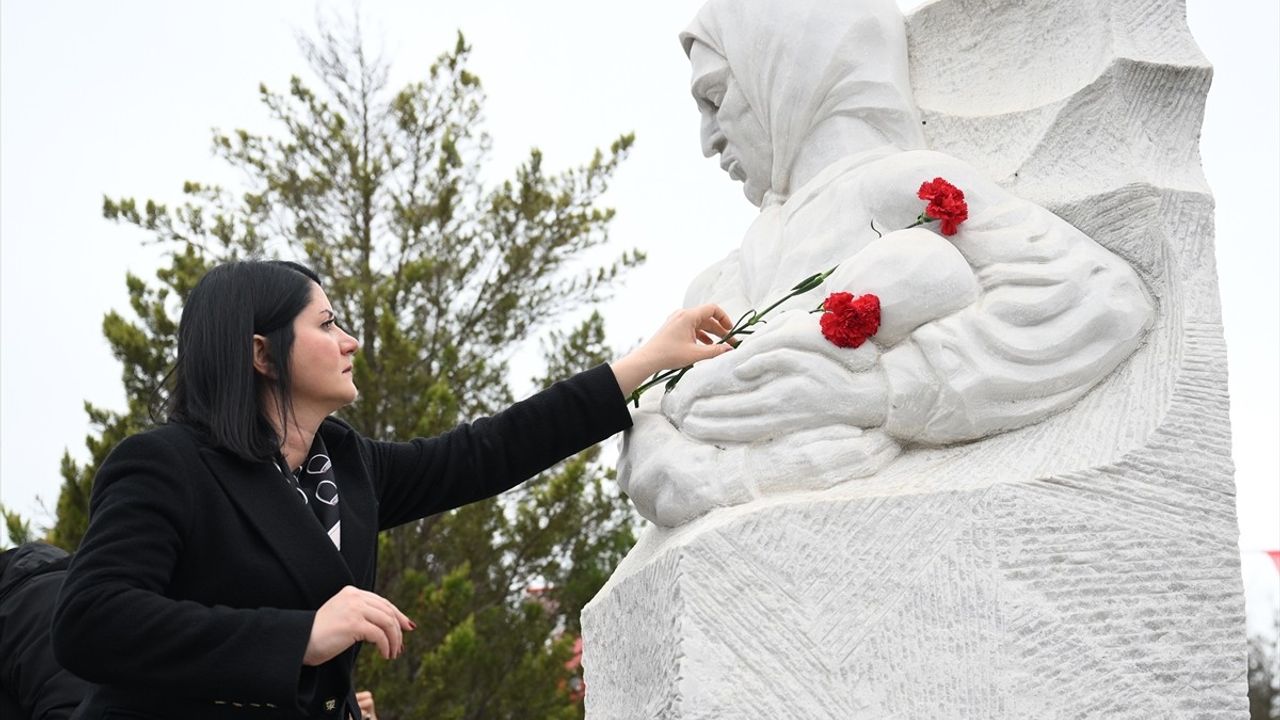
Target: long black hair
214 384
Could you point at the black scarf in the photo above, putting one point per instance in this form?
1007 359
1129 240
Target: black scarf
315 482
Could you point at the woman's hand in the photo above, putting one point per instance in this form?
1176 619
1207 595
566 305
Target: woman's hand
354 615
688 335
364 699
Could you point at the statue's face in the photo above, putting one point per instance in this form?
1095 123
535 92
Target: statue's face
729 125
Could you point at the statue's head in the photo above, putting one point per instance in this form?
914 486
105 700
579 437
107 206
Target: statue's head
767 74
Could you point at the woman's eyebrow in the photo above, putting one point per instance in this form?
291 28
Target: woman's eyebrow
330 312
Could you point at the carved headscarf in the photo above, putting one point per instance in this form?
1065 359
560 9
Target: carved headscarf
801 62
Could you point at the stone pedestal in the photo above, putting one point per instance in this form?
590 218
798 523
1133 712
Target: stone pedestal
1111 593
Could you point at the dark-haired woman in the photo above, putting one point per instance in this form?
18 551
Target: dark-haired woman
226 567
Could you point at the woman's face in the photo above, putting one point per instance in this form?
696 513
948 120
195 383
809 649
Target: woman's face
320 362
729 125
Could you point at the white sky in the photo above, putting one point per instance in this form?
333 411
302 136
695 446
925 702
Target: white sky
119 98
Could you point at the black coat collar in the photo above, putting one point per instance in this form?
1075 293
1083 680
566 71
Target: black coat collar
290 530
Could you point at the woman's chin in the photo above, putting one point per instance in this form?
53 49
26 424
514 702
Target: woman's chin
342 400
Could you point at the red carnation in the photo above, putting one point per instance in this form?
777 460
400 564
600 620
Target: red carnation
848 321
946 203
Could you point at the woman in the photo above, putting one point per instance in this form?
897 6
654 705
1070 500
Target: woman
229 551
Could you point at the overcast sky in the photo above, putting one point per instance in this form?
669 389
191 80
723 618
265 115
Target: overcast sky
119 99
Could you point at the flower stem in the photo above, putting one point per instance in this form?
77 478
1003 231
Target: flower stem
741 327
920 221
634 397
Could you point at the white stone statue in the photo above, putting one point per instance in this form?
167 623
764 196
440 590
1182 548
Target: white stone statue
1007 322
1016 499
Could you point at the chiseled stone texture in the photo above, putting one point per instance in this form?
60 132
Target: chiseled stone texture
1061 598
1084 567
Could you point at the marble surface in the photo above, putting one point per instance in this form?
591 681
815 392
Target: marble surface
1071 559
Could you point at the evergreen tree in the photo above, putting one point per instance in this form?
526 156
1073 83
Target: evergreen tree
441 279
18 530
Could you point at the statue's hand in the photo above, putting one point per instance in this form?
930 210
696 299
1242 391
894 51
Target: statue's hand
784 379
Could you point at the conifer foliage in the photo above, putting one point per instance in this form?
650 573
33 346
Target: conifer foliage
441 277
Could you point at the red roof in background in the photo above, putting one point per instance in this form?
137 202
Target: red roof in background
577 687
575 662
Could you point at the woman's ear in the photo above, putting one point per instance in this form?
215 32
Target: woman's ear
262 357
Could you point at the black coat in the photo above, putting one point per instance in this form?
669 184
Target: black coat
194 590
33 684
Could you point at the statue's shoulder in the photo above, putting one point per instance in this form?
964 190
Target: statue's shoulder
716 283
911 168
925 165
854 175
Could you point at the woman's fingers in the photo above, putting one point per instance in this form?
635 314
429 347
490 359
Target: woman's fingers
400 618
391 626
354 615
708 351
385 616
722 318
392 621
713 319
691 335
369 631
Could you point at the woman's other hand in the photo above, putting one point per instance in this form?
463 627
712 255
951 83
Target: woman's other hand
354 615
688 335
364 699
